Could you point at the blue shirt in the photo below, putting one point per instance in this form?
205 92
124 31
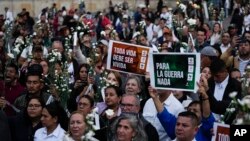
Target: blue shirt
168 122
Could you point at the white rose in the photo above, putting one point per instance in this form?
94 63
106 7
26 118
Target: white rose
246 101
191 21
239 121
16 50
103 33
90 134
233 94
11 55
109 112
90 122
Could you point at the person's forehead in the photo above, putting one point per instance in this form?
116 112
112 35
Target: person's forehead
128 99
33 77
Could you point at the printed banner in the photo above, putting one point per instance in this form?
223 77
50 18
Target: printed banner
222 132
127 58
175 71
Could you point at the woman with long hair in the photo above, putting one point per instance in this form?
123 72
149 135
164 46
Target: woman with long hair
24 125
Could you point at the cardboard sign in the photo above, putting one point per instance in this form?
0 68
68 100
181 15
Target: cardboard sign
221 132
175 71
127 58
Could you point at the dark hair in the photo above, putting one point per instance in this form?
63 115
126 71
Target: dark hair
77 75
35 69
195 102
117 89
217 65
90 99
193 116
217 24
202 30
56 110
234 69
245 33
25 112
12 65
33 74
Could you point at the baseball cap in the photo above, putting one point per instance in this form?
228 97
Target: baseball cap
209 51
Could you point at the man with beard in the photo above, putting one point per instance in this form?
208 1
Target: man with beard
10 88
34 87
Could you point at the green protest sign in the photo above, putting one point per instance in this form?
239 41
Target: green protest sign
175 71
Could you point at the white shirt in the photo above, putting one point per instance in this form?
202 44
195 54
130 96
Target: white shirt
150 31
224 48
27 52
242 65
219 93
56 135
220 89
172 104
215 38
9 17
247 20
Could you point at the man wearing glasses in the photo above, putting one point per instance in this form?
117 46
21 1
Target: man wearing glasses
130 103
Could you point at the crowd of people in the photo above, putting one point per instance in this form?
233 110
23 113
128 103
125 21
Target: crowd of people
55 86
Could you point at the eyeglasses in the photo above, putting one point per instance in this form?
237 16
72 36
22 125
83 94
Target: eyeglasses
123 105
34 106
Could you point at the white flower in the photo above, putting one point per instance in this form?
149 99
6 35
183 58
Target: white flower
246 101
240 102
81 33
97 54
239 121
11 55
183 7
90 134
52 60
89 60
90 122
103 33
232 109
63 89
233 94
191 21
16 49
109 112
78 28
90 116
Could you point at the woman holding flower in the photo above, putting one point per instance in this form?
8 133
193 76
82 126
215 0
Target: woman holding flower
108 111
